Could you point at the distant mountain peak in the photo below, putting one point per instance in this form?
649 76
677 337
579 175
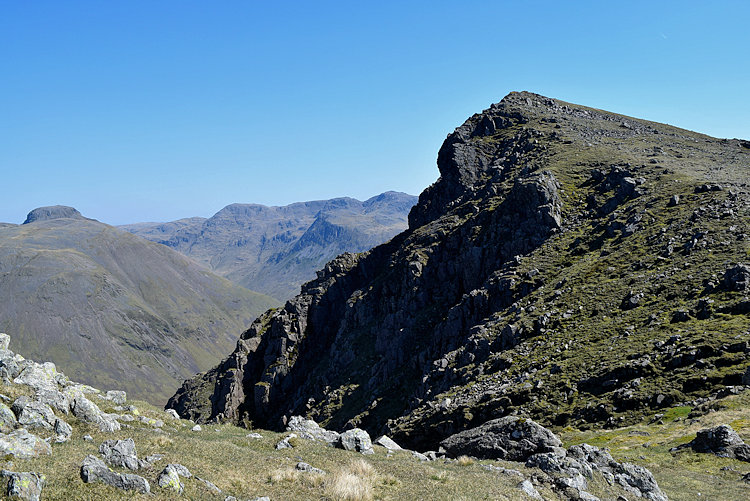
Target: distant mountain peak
52 212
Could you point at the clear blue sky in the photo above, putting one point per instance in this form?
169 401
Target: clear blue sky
155 110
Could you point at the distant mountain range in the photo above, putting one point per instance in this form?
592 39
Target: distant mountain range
274 250
113 309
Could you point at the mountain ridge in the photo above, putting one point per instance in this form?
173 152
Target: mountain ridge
558 250
274 249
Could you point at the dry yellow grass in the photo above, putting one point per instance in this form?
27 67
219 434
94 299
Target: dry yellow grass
464 461
354 482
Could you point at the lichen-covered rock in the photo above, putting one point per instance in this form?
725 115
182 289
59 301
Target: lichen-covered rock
120 453
510 438
356 440
33 414
23 445
170 479
86 410
721 440
310 430
94 469
24 485
117 397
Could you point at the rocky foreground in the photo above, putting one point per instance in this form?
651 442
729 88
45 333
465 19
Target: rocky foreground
48 413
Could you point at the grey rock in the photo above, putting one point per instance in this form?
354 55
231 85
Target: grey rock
197 427
528 488
721 440
63 431
169 478
52 212
673 201
736 278
156 423
638 477
284 442
356 439
86 410
88 438
94 469
23 445
388 443
172 413
419 456
24 485
510 438
209 485
302 466
120 453
4 341
254 435
33 414
310 430
8 419
117 397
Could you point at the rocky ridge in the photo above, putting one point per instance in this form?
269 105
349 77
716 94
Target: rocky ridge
570 265
274 250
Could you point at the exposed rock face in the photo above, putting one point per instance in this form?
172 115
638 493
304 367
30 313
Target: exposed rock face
507 289
52 212
509 438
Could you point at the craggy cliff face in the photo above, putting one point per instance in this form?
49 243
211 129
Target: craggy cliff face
547 273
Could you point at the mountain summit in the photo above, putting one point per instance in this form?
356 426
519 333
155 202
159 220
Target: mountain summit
52 212
570 265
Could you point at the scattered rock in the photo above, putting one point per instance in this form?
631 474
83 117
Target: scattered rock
120 453
673 201
169 478
116 396
86 410
721 440
528 488
197 427
63 431
209 485
173 413
301 466
310 430
93 469
284 442
23 445
356 439
419 456
33 414
388 443
25 485
510 438
8 419
88 438
736 278
254 435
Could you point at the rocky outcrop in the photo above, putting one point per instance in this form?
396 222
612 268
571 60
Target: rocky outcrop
52 212
721 440
94 469
510 438
548 244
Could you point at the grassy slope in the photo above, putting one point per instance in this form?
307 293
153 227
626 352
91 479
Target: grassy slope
114 310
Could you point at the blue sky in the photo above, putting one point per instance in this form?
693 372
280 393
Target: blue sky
151 111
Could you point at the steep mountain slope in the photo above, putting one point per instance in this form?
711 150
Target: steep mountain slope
570 265
275 249
113 309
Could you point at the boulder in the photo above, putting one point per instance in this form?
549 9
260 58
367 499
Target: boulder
86 410
172 413
310 430
23 445
94 469
302 466
736 278
33 414
721 440
388 443
116 396
170 479
356 439
120 453
510 438
25 485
